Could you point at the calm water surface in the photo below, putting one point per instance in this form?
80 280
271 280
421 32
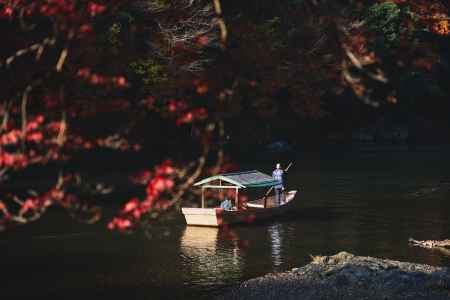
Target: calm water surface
364 202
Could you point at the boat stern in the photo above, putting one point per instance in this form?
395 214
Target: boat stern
203 216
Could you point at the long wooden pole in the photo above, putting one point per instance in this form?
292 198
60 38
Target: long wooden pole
203 197
271 188
221 191
237 198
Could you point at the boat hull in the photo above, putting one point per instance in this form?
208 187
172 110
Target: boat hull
217 217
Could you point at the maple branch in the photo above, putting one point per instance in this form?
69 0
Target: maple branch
38 47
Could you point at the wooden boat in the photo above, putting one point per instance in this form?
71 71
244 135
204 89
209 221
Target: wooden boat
259 209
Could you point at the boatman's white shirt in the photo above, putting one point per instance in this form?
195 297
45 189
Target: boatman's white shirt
277 174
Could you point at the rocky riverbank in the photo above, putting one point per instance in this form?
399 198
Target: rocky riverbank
345 276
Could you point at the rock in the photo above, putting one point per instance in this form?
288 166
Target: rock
345 276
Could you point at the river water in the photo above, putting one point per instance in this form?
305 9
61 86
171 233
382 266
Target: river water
367 202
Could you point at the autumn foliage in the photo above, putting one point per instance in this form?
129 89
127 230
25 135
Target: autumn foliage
177 82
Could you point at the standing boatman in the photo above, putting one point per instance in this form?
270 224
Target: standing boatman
277 174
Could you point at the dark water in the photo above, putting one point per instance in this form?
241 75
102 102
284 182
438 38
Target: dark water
364 202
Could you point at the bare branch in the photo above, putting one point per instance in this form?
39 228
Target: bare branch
441 246
24 109
38 47
62 59
5 116
429 243
61 138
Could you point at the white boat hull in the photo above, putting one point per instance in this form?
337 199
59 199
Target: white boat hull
255 211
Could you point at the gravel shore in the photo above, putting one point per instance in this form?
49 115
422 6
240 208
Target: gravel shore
345 276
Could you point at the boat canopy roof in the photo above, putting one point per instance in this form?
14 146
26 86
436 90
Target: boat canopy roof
245 179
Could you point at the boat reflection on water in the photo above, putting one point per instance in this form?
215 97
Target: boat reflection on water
211 256
276 243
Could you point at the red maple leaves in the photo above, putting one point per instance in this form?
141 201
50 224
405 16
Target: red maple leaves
50 8
39 138
98 79
159 181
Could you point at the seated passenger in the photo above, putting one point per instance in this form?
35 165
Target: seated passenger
226 204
